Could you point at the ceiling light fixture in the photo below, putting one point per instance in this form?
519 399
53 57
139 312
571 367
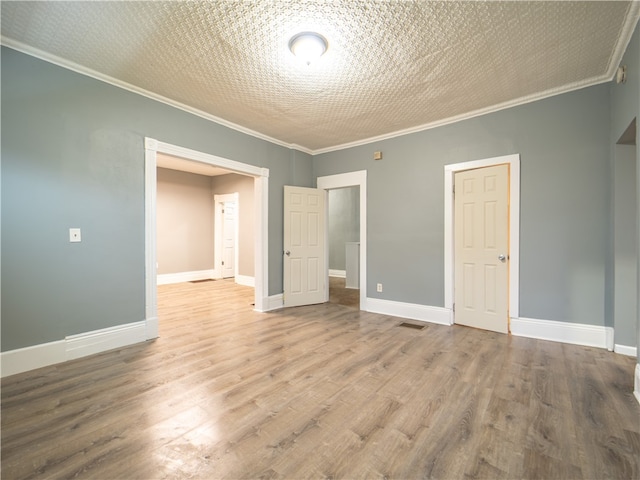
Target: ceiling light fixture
308 46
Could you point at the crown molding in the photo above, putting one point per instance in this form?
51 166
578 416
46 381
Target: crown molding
467 116
75 67
616 57
623 41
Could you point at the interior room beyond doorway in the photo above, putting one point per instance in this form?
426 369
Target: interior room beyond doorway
343 233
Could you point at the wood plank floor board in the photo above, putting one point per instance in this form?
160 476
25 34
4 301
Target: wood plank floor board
321 391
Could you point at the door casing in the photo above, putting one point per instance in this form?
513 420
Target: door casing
261 194
350 179
514 229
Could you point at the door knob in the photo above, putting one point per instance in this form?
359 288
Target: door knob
287 253
502 258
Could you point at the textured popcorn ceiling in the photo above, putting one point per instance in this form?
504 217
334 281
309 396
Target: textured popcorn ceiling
391 66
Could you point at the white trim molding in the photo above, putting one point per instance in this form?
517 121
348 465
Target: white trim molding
274 302
245 280
341 180
413 311
564 332
261 194
626 350
636 383
97 341
74 346
36 356
181 277
609 332
514 227
83 70
338 273
627 31
150 239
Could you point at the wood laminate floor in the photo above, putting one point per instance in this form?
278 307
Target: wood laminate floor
321 392
338 293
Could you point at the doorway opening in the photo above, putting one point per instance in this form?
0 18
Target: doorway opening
342 181
343 243
260 190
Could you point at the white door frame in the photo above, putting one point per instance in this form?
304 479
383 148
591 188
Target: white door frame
218 221
341 180
514 229
261 194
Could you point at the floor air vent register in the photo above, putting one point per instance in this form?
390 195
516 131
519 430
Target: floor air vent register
412 325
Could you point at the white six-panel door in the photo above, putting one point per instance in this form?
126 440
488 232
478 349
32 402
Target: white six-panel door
229 227
482 248
304 238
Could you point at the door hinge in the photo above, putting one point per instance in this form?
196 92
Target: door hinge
454 308
454 188
223 262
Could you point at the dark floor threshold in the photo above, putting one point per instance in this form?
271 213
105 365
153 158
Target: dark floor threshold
201 281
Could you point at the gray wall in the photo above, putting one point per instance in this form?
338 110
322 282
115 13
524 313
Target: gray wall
625 106
242 184
563 142
624 245
343 223
73 156
184 222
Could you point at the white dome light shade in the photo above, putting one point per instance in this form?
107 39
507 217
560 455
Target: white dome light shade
308 46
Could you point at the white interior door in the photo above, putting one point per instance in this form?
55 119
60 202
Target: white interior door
304 246
226 218
229 227
482 248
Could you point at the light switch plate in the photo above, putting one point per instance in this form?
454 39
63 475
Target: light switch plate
75 235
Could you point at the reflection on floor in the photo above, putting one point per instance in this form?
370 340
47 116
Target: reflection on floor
349 297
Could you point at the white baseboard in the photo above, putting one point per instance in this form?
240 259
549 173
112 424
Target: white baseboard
105 339
29 358
338 273
565 332
74 346
152 328
413 311
609 334
273 302
626 350
181 277
246 280
636 386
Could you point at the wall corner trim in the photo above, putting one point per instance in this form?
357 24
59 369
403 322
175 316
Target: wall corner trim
564 332
636 387
609 334
626 350
273 302
74 346
413 311
151 143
